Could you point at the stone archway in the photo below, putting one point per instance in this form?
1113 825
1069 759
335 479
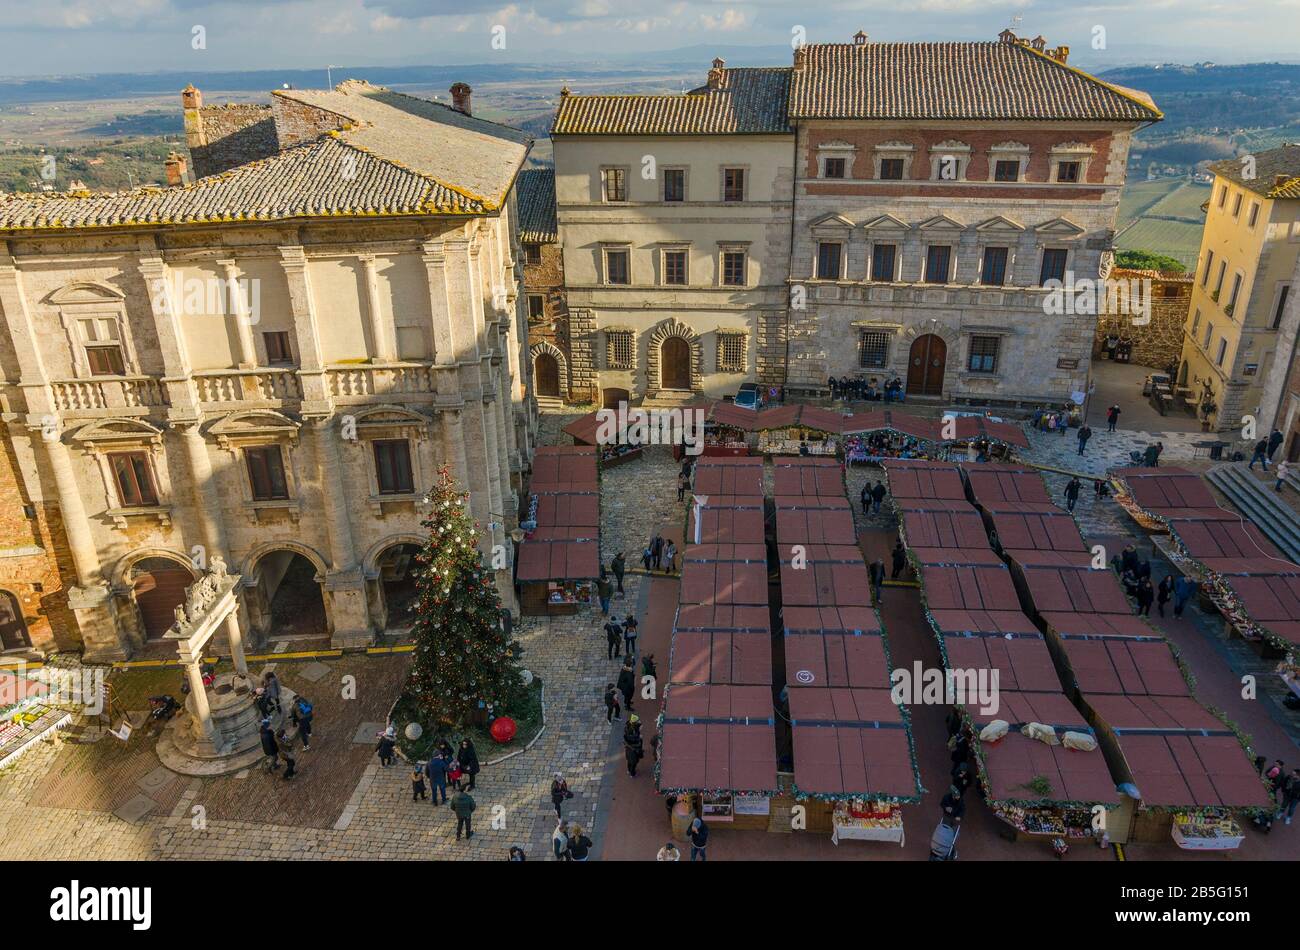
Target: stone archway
153 580
285 593
550 370
13 628
390 575
675 358
943 341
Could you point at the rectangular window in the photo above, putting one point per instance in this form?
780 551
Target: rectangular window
984 354
1236 292
1054 259
674 184
1223 194
731 353
617 267
937 260
536 307
733 184
1223 351
1218 281
1254 214
733 268
1209 264
532 253
675 267
873 349
266 473
1006 170
134 477
1209 335
1236 205
1196 322
994 270
828 260
393 466
614 183
884 259
891 169
1281 306
618 349
835 167
277 347
105 361
1067 171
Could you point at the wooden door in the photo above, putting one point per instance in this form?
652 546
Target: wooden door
158 591
13 630
675 364
925 366
548 375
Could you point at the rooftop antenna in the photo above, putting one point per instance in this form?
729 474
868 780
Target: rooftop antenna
329 76
1015 21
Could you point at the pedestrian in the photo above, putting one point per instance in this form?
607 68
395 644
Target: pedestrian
953 805
1112 418
958 748
668 852
877 572
436 770
302 715
559 792
1275 440
1149 456
418 790
648 666
670 557
962 778
655 743
1276 778
384 749
270 748
877 496
468 758
627 682
517 854
560 840
613 638
1260 454
1283 469
1085 433
900 559
1164 593
271 691
1290 794
579 844
630 635
1145 595
683 482
1101 489
657 551
633 746
463 805
1160 448
619 567
286 752
612 710
1184 589
604 592
1072 493
865 497
699 838
647 558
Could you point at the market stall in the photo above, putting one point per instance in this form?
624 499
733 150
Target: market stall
25 718
728 430
728 476
808 476
782 430
722 645
557 577
819 519
585 431
913 480
725 519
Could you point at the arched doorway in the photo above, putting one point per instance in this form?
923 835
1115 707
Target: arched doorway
546 375
13 629
610 398
925 366
287 599
159 586
397 570
675 363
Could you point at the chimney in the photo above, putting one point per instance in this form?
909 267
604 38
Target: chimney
1280 180
715 74
1006 36
192 112
860 38
174 168
1039 43
460 97
800 57
1061 54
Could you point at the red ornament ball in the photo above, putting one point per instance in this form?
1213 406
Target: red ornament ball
503 729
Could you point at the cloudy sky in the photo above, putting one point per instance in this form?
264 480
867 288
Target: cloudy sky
50 37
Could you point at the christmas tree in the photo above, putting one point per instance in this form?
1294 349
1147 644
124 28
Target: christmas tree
464 661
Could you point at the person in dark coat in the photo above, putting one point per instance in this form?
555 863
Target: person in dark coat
865 497
302 715
1101 489
1164 593
959 747
270 747
900 559
579 844
699 838
463 805
627 683
1275 440
877 572
633 746
1260 454
468 758
1184 590
1145 595
656 551
613 638
1085 434
384 749
962 777
630 634
286 752
436 769
877 496
648 665
618 566
1072 493
559 792
612 708
953 804
1112 418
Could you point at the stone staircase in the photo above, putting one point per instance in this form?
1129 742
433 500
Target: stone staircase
550 404
1274 517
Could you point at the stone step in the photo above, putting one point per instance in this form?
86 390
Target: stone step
1277 520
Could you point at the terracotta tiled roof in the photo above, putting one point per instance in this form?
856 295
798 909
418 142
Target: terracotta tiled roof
952 81
747 101
397 155
536 191
1277 172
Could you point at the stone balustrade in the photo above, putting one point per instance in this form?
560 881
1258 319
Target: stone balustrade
109 394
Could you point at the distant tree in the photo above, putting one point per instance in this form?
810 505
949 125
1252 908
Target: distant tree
1148 260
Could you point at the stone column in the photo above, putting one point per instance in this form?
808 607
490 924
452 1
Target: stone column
311 367
381 332
81 543
243 319
207 509
236 638
344 583
202 712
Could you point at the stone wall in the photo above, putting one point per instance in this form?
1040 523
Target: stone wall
1160 342
223 137
547 279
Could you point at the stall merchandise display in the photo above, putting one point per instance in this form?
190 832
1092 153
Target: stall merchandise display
1047 822
26 727
569 592
867 821
788 442
1209 832
617 453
